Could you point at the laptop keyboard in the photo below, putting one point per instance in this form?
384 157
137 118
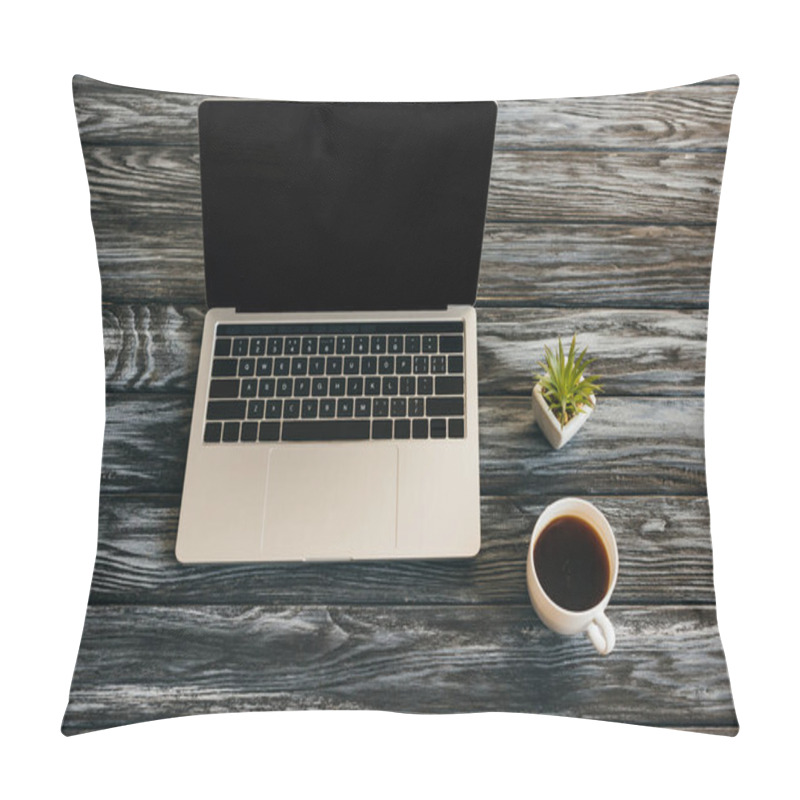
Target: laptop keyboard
328 382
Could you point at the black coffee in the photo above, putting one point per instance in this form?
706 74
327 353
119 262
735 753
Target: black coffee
572 563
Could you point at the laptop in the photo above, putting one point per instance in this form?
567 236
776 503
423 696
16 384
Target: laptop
336 409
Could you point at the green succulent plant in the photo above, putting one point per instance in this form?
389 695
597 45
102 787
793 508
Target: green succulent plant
565 387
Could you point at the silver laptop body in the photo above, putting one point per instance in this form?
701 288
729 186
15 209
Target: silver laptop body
327 434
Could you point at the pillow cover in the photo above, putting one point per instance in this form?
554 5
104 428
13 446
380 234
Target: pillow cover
601 222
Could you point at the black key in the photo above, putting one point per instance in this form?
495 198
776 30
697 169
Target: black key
222 347
451 344
327 407
398 406
402 429
386 365
355 386
380 407
275 345
455 428
264 367
255 409
269 431
299 366
327 345
309 345
226 409
420 365
412 344
369 365
438 364
429 344
382 429
319 387
249 387
344 345
372 386
395 344
274 409
363 407
344 407
316 365
378 345
402 365
425 384
224 389
449 385
408 385
351 365
266 387
249 431
282 366
438 428
333 366
230 432
257 348
213 432
292 345
445 407
302 387
247 367
420 429
390 385
455 364
224 367
284 387
291 409
337 387
309 410
361 345
325 430
416 407
240 347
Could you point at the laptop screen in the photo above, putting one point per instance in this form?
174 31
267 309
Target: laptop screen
343 206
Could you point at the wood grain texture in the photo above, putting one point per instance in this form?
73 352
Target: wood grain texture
578 265
163 182
140 663
665 558
570 265
686 117
151 347
631 445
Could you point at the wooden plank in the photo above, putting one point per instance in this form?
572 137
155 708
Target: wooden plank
664 546
555 186
630 446
636 352
143 663
570 265
156 348
639 266
685 117
682 118
621 186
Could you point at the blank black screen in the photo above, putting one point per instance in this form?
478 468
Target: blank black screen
343 206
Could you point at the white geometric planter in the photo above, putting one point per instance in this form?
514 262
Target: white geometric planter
550 426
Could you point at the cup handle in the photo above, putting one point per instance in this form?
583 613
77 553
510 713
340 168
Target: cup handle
601 633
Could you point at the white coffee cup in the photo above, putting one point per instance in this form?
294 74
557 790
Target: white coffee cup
593 620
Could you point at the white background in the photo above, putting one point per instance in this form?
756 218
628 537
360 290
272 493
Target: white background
51 441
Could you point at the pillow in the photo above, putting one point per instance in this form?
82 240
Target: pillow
601 222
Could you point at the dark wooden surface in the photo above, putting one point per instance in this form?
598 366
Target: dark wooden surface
601 222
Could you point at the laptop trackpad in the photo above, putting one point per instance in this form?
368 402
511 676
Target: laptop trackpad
334 501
